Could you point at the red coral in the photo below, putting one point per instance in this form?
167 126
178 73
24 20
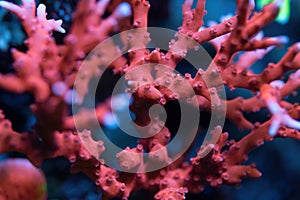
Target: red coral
28 181
52 73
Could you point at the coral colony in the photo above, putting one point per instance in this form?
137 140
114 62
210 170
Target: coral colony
59 77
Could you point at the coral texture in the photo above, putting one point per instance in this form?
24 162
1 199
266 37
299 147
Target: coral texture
49 70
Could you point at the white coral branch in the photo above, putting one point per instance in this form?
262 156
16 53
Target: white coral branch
48 24
280 116
11 7
27 12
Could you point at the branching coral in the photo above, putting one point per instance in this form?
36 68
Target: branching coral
59 75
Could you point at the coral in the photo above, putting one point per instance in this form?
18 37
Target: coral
60 77
28 181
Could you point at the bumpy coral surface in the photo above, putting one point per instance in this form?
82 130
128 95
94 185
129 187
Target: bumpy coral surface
60 77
